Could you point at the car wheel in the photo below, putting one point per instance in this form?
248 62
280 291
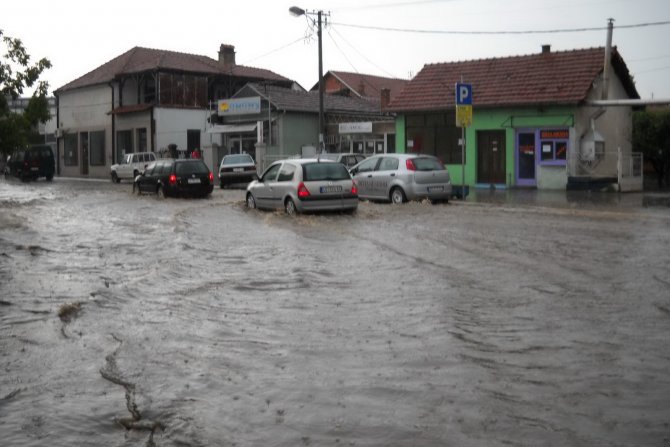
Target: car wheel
136 189
398 195
290 208
251 202
160 192
50 178
115 178
223 185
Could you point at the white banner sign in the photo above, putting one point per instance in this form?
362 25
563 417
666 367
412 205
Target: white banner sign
356 127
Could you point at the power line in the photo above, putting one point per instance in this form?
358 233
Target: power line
391 5
359 53
305 37
551 31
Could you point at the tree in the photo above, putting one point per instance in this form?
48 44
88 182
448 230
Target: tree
17 74
651 136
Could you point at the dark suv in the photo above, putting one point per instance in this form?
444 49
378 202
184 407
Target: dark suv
32 163
190 177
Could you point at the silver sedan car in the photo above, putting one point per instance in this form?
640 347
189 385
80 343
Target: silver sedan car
401 177
304 185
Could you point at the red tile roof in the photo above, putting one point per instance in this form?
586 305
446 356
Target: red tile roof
139 59
371 85
552 78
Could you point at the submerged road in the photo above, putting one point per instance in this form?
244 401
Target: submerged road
129 321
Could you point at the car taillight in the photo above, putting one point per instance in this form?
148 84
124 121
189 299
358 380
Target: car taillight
410 165
354 188
303 192
173 179
211 177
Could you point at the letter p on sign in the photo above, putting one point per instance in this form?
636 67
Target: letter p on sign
463 94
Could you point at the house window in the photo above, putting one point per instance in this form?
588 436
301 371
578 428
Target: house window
434 134
149 90
71 157
97 148
553 146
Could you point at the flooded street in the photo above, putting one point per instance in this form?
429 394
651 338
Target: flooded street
132 321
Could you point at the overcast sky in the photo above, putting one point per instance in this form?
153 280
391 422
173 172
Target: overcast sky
79 36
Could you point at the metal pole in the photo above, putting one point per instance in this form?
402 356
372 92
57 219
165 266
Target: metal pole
463 163
321 88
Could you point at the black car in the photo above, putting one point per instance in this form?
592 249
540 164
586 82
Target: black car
170 177
32 163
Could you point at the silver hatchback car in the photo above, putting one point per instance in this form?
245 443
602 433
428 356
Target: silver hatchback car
304 185
401 177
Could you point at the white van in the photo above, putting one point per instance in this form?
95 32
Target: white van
131 165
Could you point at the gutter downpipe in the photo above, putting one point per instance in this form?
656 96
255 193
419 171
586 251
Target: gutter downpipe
57 138
113 125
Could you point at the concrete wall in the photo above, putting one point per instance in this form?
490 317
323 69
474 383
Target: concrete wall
172 124
615 125
86 110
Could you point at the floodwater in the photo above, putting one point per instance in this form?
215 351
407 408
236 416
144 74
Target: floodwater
132 321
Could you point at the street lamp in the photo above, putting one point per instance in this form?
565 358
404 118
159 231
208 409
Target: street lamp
297 12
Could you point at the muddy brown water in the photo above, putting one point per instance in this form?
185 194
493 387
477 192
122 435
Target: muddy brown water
132 321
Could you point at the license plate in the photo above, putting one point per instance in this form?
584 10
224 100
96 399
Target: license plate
435 188
327 189
34 169
193 181
238 169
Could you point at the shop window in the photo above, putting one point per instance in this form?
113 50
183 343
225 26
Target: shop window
434 134
553 146
142 139
97 148
71 157
124 144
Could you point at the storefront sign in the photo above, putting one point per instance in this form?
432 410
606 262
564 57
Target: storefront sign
240 106
560 134
355 127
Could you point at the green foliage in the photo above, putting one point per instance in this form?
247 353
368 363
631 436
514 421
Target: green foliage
651 136
17 74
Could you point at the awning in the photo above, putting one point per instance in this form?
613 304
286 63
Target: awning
232 128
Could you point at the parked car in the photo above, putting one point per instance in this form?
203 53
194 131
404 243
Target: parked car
401 177
348 160
237 168
131 165
32 163
304 185
168 177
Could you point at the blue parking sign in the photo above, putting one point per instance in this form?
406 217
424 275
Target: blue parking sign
463 94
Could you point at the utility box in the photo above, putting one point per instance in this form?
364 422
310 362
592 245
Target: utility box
592 146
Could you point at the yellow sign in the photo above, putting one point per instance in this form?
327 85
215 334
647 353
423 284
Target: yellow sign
463 116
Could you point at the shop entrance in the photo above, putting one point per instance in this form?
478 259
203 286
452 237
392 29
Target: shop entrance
242 144
525 158
491 156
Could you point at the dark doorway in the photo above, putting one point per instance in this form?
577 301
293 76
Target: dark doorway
491 156
192 140
83 145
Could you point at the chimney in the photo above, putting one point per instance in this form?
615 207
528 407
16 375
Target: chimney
385 97
608 59
227 55
546 49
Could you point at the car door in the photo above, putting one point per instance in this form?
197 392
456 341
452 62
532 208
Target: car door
284 185
263 189
362 174
383 176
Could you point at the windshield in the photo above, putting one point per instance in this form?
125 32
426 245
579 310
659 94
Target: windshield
191 168
325 171
237 159
428 164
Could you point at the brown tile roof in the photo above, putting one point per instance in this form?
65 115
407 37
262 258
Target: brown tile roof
552 78
300 101
138 59
372 85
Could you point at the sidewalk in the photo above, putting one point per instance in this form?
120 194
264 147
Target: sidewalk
570 199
